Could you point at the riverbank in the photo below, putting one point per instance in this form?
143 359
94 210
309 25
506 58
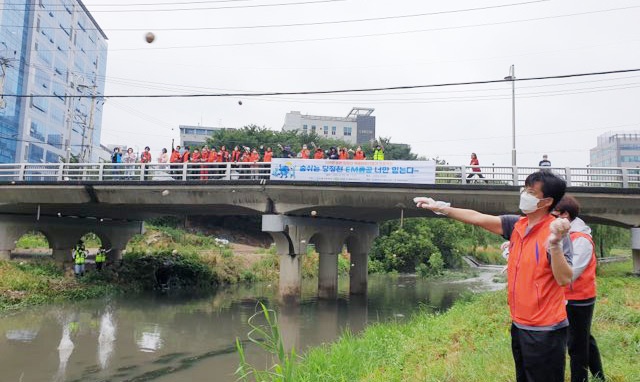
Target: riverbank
471 341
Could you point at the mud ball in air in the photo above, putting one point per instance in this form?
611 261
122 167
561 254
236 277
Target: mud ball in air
150 37
314 213
165 192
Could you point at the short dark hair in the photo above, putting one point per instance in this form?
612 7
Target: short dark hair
570 205
552 186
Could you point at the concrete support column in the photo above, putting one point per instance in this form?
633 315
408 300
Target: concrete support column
114 256
63 256
358 273
290 277
635 249
328 276
5 254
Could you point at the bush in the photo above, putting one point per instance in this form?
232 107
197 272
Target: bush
165 270
436 263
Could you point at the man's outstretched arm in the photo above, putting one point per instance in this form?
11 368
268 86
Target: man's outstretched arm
491 223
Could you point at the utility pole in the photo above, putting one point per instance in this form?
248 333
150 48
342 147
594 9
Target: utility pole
512 78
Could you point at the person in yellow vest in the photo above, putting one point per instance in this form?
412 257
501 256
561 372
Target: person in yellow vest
79 257
581 295
378 153
101 258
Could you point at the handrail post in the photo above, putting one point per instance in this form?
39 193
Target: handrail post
142 167
625 178
184 171
463 174
100 172
567 174
514 173
227 175
60 172
21 172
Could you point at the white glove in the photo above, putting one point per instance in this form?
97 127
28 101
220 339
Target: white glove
427 203
559 228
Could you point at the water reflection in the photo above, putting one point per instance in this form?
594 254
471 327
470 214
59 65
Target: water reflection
106 338
170 338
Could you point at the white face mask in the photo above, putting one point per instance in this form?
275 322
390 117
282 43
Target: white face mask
528 203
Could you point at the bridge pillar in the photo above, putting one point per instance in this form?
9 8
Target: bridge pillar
328 275
635 249
359 246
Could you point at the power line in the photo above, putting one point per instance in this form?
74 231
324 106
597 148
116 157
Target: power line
336 91
194 9
381 34
331 22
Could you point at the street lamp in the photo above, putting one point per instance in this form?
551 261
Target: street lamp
512 77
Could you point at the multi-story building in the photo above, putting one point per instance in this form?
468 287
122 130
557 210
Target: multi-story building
620 149
53 58
358 127
197 135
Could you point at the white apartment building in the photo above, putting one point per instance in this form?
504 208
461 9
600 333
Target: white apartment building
358 127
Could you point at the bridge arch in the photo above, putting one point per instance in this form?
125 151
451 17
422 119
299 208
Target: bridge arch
33 241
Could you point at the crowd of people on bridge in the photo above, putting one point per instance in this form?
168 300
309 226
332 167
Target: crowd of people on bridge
241 154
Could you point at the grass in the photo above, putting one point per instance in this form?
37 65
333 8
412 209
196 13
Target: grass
471 341
29 283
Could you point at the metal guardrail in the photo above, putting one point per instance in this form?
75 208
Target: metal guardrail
611 177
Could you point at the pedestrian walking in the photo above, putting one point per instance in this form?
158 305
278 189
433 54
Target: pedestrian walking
475 168
545 162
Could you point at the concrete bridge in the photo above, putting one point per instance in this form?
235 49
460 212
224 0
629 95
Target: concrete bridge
64 204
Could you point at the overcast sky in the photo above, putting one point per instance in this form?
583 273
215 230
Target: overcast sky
559 117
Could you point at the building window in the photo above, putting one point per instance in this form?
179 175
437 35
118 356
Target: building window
36 131
347 131
326 130
313 128
333 130
304 129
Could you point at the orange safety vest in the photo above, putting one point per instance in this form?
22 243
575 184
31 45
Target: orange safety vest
535 298
213 156
318 155
235 156
185 156
304 154
145 157
196 157
584 287
267 156
344 155
175 156
359 155
204 155
255 157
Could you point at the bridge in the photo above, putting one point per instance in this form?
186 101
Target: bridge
65 201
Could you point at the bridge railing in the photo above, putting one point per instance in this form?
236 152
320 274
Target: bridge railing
613 177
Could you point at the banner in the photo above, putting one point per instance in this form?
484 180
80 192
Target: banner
365 171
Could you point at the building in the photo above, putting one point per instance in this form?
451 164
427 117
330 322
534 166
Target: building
620 149
358 127
51 48
197 135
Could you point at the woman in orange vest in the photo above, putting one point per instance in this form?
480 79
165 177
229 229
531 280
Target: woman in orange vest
359 155
319 154
538 268
305 153
204 158
581 295
343 154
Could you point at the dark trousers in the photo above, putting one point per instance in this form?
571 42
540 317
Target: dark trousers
99 265
583 348
539 355
476 173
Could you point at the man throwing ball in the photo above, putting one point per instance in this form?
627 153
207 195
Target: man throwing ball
539 264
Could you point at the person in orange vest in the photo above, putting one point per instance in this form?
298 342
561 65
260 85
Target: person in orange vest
538 268
175 158
305 153
581 295
196 157
204 158
343 154
145 157
319 154
236 155
254 158
268 155
359 154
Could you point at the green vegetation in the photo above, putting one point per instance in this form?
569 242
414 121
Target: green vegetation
471 341
29 283
32 240
255 136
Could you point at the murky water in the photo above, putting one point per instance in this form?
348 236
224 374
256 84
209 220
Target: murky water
192 338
